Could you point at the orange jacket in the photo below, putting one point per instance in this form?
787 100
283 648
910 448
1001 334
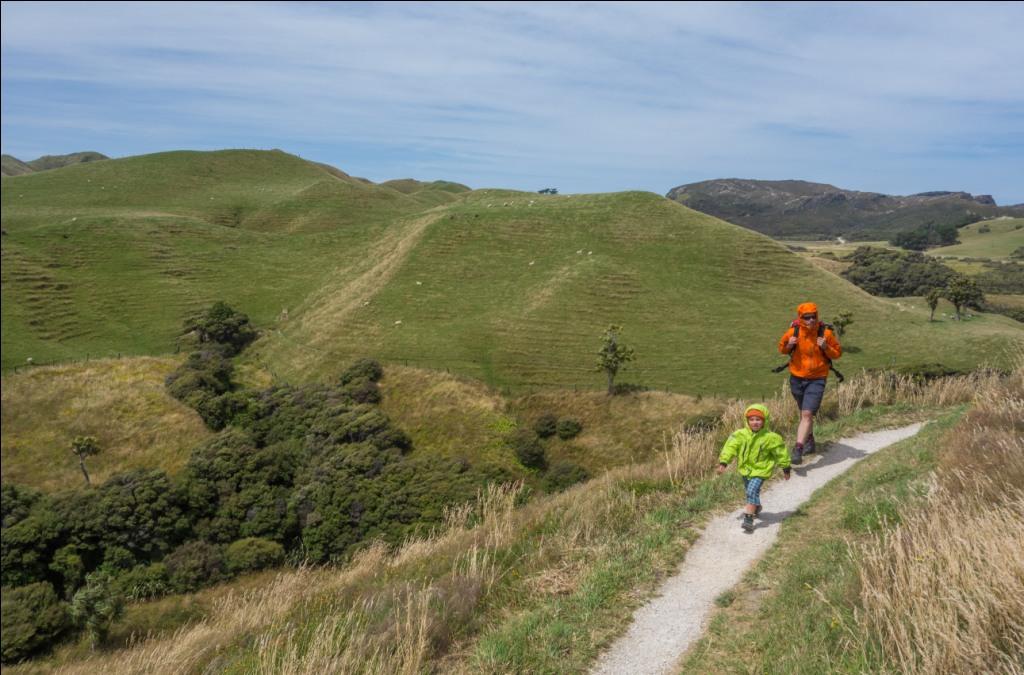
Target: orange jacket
807 360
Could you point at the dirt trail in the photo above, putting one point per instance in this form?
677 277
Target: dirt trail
664 629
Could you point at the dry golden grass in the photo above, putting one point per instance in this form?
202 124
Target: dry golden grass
122 402
942 591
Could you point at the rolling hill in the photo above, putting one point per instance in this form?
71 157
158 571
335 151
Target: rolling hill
510 288
997 239
795 209
12 166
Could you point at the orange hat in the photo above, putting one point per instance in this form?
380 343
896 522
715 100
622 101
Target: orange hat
753 412
806 308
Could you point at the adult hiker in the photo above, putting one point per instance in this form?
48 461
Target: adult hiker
812 346
758 450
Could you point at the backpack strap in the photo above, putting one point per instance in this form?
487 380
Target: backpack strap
821 333
796 333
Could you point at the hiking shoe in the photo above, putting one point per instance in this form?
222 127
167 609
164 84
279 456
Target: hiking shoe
748 522
757 511
809 446
796 457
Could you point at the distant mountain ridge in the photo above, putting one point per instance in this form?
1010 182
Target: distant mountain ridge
796 208
12 166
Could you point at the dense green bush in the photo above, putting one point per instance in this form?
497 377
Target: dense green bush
528 449
546 425
895 274
27 547
363 369
194 565
33 618
224 326
15 503
141 511
563 475
68 565
928 235
252 554
569 428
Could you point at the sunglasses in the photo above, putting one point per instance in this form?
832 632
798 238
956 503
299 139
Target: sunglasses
809 317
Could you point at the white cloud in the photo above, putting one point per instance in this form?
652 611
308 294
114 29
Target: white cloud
586 94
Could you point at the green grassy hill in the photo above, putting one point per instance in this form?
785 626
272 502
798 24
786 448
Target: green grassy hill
109 257
513 289
1000 239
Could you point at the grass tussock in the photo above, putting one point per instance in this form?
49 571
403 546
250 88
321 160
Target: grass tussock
942 590
121 402
507 585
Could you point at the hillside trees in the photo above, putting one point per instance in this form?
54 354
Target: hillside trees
928 235
894 274
964 292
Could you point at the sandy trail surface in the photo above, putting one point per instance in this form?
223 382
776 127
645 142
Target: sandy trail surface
663 629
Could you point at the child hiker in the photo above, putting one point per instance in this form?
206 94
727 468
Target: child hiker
758 450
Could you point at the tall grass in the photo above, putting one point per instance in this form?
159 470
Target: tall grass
942 591
487 591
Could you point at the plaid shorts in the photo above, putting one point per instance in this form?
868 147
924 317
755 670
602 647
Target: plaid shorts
753 487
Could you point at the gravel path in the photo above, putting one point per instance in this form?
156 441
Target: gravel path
663 629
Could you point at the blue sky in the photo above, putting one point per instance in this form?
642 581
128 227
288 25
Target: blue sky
586 97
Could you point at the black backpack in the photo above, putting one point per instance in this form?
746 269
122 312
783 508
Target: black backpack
821 333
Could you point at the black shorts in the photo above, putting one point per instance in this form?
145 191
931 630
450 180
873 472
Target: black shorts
808 393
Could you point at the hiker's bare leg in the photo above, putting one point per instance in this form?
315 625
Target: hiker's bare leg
806 426
749 508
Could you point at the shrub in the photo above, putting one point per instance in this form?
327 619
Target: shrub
144 582
68 564
564 475
363 369
253 553
222 325
569 428
194 565
96 606
700 422
546 425
15 503
528 449
33 618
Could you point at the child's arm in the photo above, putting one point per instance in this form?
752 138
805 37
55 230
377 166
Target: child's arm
729 450
781 453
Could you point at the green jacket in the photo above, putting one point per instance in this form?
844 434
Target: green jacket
758 454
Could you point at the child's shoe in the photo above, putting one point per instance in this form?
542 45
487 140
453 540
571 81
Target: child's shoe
748 522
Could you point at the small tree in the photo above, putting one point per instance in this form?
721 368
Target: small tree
842 321
612 356
85 446
963 292
932 298
96 606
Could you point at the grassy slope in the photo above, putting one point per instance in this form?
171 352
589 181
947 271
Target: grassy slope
108 258
121 402
513 289
1005 237
517 295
